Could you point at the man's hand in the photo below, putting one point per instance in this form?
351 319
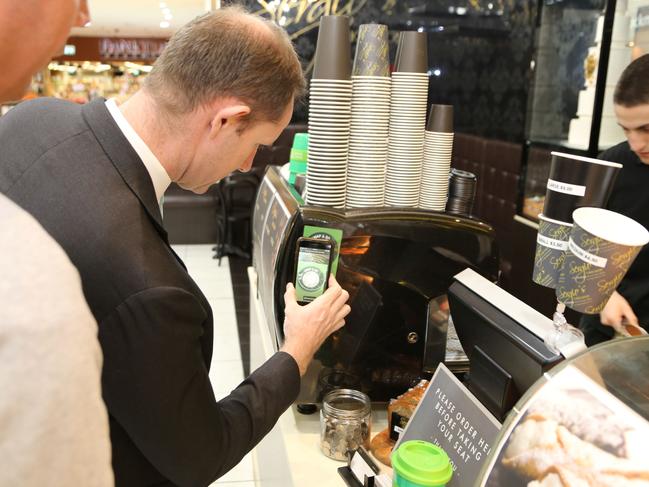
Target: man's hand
617 310
307 327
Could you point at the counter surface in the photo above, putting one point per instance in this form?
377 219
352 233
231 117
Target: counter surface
290 454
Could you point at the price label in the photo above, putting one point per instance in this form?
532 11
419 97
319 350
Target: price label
552 243
566 188
587 256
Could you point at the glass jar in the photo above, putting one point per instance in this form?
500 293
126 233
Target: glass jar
345 422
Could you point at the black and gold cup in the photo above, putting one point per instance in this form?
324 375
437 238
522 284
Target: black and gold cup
551 247
372 51
601 248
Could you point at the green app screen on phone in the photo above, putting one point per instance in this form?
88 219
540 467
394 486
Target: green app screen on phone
311 277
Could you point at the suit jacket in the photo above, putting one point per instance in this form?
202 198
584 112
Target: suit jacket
72 168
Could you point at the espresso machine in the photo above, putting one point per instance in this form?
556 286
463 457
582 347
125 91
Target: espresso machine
397 265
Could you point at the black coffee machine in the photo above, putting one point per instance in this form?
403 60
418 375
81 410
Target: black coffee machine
396 263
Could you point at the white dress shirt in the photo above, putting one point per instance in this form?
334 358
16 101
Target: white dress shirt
157 172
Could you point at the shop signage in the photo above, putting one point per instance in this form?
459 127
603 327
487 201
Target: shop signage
452 418
300 16
130 49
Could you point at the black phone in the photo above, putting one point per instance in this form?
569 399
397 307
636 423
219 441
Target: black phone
312 268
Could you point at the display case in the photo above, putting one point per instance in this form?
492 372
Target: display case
582 49
585 422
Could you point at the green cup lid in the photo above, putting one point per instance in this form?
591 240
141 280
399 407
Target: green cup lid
301 141
422 463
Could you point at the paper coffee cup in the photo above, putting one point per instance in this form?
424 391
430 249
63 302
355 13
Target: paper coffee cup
332 59
551 246
413 52
601 248
372 51
576 182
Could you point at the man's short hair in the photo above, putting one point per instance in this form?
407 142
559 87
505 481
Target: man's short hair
633 87
228 53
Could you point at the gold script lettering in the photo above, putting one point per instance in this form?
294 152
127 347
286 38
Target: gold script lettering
579 272
304 15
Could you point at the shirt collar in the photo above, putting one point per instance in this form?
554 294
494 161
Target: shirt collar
157 172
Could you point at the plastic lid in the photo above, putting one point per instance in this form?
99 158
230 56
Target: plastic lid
301 141
422 463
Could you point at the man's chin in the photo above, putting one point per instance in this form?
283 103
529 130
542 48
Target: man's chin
200 189
644 158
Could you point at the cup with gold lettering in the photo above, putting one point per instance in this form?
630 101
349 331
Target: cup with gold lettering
368 139
601 248
551 246
372 51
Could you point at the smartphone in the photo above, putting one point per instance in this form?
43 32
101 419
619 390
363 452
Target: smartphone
312 268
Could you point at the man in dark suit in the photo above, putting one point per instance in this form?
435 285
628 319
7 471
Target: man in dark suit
93 177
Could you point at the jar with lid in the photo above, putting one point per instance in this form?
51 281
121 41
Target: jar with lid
345 422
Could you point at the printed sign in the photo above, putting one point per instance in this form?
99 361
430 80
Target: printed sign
450 417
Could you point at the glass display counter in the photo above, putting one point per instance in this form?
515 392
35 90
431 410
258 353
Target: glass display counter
585 422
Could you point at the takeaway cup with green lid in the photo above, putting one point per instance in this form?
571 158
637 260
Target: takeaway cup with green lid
418 463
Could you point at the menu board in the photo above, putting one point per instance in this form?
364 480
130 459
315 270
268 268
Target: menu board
450 417
572 432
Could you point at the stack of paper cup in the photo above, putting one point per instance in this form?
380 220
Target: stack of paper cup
330 101
461 192
438 149
407 121
368 143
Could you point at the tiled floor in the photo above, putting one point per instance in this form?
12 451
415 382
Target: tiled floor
227 366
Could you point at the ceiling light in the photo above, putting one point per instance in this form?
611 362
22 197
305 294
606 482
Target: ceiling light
164 24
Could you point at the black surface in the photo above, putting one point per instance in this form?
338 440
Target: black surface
407 257
241 291
502 340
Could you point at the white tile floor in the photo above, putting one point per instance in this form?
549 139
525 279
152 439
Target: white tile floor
227 368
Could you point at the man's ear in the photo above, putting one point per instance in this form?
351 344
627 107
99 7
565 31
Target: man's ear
228 118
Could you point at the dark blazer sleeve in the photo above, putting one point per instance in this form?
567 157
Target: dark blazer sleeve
157 388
